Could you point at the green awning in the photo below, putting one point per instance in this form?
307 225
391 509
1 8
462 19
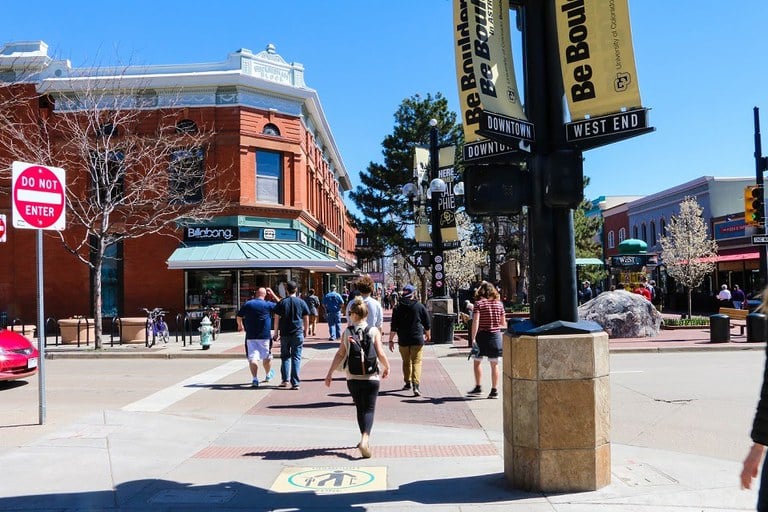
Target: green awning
589 261
245 254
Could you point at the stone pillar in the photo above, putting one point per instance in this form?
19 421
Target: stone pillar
557 412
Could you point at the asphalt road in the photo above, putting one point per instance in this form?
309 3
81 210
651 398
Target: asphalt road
698 402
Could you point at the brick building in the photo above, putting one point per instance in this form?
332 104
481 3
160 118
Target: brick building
275 153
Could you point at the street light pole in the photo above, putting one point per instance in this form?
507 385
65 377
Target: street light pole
438 262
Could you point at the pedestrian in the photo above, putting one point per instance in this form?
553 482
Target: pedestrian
739 298
255 318
332 303
410 323
724 296
363 388
365 286
291 325
759 437
585 294
487 323
655 294
313 303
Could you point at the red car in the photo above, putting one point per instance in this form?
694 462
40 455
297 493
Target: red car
18 356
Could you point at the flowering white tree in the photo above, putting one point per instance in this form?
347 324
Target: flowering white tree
461 264
687 249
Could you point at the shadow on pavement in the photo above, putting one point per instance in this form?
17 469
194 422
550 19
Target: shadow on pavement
164 495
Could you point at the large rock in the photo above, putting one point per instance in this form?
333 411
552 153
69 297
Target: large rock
622 314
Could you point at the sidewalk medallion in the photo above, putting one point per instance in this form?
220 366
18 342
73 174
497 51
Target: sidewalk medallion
331 480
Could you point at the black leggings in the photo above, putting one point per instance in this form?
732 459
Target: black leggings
364 393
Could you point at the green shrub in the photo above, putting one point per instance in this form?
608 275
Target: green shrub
693 321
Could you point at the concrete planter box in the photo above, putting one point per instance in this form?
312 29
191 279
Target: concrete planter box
133 329
70 328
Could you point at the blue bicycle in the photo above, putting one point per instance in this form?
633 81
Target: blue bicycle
156 328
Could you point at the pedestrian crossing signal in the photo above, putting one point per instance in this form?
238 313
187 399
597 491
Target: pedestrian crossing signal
753 205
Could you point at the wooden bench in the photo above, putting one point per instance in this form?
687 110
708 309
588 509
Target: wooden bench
738 318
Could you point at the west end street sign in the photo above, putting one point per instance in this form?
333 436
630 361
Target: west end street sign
759 239
609 128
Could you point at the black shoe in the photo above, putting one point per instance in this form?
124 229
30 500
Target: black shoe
493 393
407 386
476 391
416 391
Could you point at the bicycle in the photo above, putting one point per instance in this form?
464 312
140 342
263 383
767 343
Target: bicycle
156 326
213 315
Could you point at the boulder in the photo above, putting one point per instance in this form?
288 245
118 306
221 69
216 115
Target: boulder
622 314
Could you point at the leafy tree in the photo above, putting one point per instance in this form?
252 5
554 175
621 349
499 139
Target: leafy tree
687 249
585 230
131 172
385 215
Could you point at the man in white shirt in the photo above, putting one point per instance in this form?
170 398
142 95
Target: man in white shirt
725 294
375 316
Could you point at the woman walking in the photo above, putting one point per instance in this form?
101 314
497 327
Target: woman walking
488 321
364 387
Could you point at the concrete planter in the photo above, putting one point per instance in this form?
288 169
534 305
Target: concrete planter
133 329
71 328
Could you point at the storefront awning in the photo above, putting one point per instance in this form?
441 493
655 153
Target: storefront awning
244 254
739 257
589 261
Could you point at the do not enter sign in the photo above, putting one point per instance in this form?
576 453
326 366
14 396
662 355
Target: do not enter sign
38 197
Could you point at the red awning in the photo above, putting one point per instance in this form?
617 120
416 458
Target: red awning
739 257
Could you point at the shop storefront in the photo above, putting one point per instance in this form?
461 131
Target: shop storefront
224 265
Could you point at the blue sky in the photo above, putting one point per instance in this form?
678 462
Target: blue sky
701 68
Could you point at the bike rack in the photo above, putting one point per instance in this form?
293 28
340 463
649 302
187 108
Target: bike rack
186 327
50 320
87 331
115 325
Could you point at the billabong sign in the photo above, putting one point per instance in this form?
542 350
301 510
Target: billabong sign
209 234
612 124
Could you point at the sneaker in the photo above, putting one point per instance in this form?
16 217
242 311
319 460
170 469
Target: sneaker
283 384
407 386
476 391
331 339
416 391
295 388
255 383
270 374
493 394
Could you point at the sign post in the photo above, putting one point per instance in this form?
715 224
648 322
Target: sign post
39 198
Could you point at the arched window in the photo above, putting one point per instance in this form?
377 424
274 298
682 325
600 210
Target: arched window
611 241
622 235
271 129
663 226
186 126
644 231
653 233
634 232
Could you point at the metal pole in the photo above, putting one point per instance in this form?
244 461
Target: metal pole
759 168
40 328
438 262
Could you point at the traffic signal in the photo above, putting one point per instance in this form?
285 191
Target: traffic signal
753 205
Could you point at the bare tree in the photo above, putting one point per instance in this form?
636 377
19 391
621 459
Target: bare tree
687 249
133 168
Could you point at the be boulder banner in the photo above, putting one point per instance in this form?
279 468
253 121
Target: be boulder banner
486 75
421 173
596 57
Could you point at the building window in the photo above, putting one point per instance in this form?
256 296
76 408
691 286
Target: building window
269 177
611 240
644 231
653 233
186 176
107 177
271 129
187 126
622 235
663 226
634 232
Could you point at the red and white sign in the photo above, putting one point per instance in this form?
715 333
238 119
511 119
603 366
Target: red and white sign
38 197
2 228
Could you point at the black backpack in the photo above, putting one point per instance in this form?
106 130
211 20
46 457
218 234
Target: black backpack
361 356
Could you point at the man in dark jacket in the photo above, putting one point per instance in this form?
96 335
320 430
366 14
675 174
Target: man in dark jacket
410 322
